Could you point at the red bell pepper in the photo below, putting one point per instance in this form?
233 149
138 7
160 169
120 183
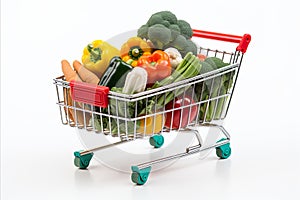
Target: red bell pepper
157 65
183 112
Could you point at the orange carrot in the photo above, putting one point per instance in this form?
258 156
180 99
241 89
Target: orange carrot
68 71
68 101
78 115
85 74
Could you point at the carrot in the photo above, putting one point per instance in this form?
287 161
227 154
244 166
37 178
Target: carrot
78 115
75 115
85 74
68 71
68 101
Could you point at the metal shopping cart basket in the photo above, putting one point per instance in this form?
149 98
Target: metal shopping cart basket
203 102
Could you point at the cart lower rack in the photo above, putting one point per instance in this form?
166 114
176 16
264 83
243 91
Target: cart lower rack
191 103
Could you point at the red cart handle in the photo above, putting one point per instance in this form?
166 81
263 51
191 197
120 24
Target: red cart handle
243 41
89 93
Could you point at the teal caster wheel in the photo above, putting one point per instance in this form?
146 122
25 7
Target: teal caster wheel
82 161
223 151
156 141
140 176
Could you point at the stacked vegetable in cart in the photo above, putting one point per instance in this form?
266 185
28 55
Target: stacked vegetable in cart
162 53
157 81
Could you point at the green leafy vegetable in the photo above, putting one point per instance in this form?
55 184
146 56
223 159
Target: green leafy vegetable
213 88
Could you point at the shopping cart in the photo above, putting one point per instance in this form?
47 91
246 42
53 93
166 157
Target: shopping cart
98 110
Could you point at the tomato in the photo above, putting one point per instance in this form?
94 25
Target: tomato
183 113
201 57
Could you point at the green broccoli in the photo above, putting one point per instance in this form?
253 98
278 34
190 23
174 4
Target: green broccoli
159 35
165 23
154 19
190 47
164 30
175 31
143 31
183 45
185 28
168 16
179 43
165 18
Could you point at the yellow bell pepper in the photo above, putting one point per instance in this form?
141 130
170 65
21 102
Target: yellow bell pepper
97 55
152 125
133 49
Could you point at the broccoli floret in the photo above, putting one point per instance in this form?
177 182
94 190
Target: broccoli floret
185 28
165 18
157 19
143 31
184 45
165 23
179 43
159 35
164 30
154 19
175 30
168 16
174 27
190 47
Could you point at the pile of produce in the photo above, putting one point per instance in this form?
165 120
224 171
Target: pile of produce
161 53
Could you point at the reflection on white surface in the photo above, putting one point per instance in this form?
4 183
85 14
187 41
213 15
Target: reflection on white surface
122 156
119 39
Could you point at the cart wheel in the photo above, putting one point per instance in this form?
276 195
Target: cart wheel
140 176
223 151
82 161
156 141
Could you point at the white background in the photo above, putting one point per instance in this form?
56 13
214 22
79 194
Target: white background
36 149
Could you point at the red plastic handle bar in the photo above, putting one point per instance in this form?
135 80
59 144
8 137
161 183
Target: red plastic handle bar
243 41
89 93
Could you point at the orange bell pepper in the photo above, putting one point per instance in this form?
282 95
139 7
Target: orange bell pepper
157 65
133 49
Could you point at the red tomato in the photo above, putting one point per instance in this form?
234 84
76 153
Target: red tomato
184 114
201 57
